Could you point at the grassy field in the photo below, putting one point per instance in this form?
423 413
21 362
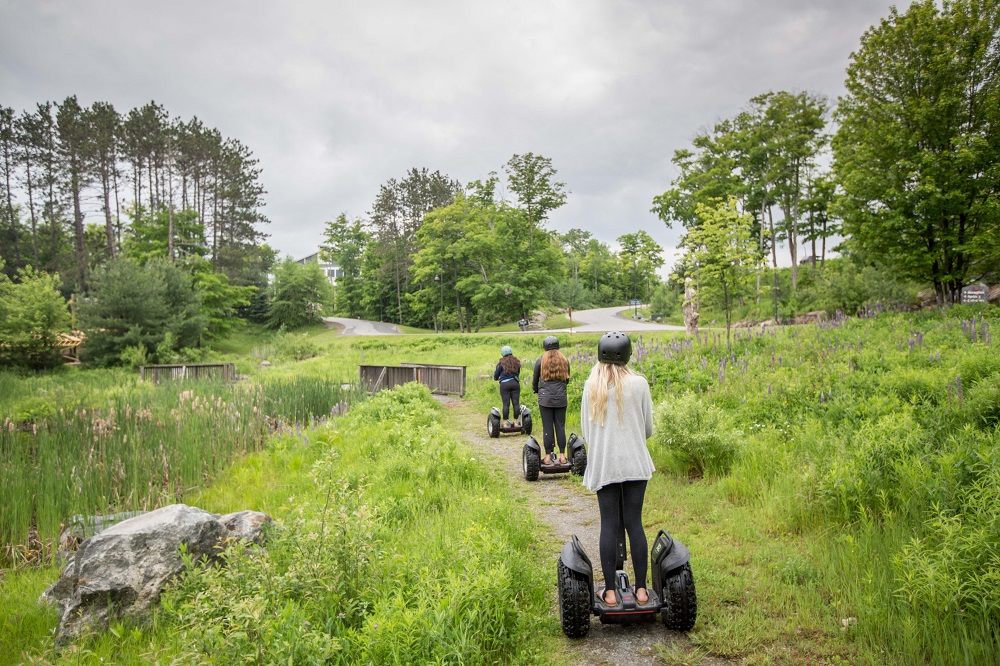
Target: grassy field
838 485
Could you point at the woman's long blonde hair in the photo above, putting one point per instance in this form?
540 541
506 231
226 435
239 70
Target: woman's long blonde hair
604 377
555 366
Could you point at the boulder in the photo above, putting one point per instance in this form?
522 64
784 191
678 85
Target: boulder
122 570
246 526
811 317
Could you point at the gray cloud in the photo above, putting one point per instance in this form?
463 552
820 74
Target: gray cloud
335 98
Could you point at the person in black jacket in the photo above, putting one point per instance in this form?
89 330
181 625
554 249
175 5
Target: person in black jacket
549 382
508 373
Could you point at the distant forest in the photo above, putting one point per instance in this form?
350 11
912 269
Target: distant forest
153 179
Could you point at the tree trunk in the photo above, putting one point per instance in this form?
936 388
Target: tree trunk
109 228
11 218
774 261
31 207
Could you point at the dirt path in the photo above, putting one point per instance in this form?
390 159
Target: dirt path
561 501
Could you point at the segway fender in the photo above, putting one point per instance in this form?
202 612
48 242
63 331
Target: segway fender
532 443
668 553
495 411
575 442
575 558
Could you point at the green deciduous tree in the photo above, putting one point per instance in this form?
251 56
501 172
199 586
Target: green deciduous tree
723 249
299 294
345 245
32 315
532 180
220 301
918 150
395 218
639 259
153 235
473 263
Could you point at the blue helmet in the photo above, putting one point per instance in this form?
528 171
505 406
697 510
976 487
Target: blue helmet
506 350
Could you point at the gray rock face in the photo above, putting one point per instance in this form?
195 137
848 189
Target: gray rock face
123 569
246 526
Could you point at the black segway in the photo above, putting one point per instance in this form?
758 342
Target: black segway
495 427
532 464
671 595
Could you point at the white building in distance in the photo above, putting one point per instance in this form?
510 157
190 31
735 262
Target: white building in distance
330 269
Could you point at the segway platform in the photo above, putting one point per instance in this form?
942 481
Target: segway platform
532 464
671 594
495 427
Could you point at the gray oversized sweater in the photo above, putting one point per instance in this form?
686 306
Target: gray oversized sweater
617 450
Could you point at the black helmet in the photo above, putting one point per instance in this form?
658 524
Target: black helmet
551 342
614 347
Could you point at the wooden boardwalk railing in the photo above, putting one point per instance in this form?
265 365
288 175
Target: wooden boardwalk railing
158 373
447 379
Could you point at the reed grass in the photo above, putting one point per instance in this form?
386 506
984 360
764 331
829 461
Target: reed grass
140 448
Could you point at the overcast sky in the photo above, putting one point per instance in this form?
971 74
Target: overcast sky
335 98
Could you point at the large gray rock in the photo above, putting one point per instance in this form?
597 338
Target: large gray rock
122 570
246 526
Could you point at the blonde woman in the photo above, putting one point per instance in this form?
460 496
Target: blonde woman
550 379
616 417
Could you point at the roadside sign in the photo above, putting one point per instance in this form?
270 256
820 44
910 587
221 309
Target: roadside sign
635 301
975 293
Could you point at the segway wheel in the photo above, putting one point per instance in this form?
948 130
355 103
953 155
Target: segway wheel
531 463
526 424
579 462
680 607
493 426
574 602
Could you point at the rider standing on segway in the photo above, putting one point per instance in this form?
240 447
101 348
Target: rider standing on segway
549 381
508 373
616 417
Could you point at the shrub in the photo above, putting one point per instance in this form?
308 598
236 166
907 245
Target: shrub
32 314
696 435
294 346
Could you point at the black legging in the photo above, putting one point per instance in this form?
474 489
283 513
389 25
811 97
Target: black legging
553 419
510 391
608 498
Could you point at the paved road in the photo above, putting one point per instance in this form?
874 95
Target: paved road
598 320
607 319
362 327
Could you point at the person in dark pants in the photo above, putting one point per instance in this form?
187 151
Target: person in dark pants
616 417
549 382
508 373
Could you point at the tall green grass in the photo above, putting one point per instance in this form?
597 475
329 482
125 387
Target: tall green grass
140 447
877 438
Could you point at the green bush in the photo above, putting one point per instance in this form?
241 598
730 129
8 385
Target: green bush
696 435
132 305
294 346
32 314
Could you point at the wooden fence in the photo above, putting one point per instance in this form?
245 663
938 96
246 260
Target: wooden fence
447 379
158 373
